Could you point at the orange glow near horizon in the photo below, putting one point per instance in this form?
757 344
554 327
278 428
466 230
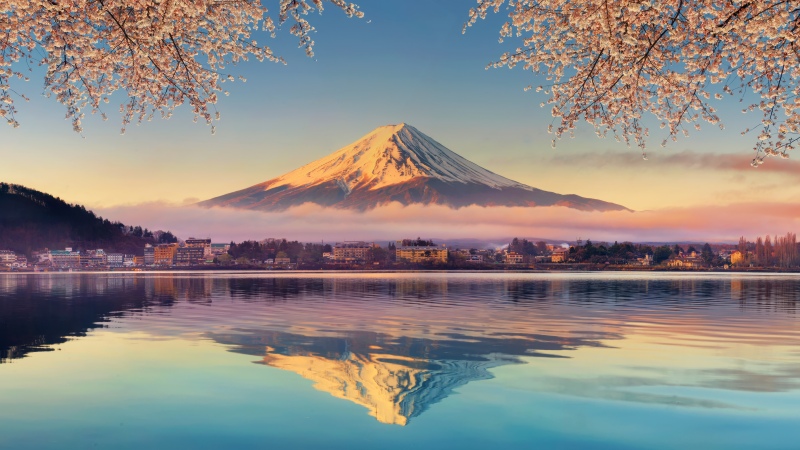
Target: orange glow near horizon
702 223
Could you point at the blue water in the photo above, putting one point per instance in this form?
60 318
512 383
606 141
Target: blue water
440 360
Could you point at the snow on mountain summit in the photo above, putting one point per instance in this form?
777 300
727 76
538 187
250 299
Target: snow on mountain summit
396 163
390 155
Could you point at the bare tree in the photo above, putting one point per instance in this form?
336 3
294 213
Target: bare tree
786 250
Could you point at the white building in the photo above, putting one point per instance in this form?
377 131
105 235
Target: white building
205 243
219 249
352 251
560 255
65 258
408 250
513 258
115 259
7 258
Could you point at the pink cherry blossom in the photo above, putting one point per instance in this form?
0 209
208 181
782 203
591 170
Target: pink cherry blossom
159 53
608 62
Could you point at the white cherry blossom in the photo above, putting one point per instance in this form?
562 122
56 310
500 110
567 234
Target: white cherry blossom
610 61
159 53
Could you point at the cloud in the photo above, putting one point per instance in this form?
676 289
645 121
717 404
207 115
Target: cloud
680 160
190 201
314 223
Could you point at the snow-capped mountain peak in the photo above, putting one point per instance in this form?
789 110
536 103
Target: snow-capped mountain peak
396 163
390 155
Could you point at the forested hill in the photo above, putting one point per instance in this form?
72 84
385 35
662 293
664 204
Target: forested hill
32 220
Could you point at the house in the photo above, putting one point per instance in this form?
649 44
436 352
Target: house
685 262
674 261
352 251
149 255
66 258
560 255
115 259
94 258
513 258
416 251
7 258
204 243
188 256
41 255
219 249
20 263
164 254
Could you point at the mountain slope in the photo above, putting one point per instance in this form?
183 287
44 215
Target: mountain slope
396 163
32 220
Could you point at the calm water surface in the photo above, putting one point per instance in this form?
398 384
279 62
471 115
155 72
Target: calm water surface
202 360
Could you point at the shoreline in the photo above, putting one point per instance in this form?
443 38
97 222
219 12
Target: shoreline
541 270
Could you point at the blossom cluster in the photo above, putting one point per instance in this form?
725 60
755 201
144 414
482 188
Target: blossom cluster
608 62
159 53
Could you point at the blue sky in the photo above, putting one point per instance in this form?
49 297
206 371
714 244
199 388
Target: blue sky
406 61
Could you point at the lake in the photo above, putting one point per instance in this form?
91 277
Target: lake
399 360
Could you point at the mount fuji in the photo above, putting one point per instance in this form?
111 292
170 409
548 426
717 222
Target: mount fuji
396 163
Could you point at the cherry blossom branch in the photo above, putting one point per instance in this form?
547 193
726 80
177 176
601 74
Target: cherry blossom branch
160 54
609 62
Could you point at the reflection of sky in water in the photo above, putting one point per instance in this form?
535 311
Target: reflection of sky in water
598 360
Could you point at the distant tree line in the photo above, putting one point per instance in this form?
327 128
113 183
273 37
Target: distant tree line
616 253
777 251
418 242
528 248
781 251
257 252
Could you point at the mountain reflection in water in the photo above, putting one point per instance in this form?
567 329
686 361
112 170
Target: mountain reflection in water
398 343
395 378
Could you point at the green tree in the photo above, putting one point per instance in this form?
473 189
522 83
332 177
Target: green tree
167 238
707 253
661 254
378 254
